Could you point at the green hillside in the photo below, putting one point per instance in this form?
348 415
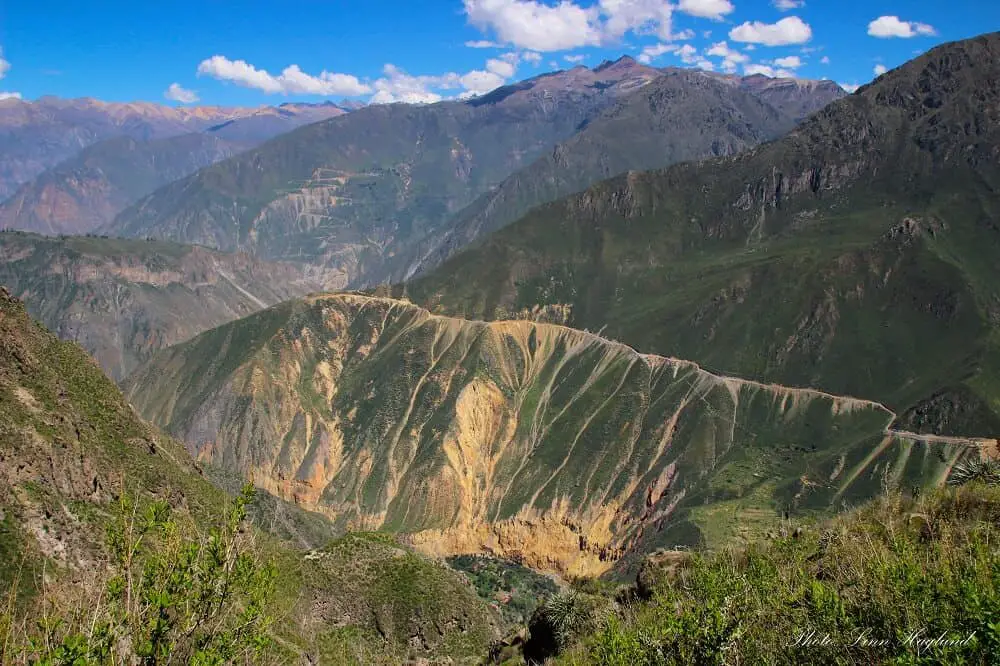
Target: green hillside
683 115
856 255
73 450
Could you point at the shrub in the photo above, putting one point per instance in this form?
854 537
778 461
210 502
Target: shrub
171 596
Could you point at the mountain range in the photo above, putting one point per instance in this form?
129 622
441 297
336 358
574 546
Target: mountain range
362 191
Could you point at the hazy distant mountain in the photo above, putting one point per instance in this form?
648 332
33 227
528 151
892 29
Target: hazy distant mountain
123 300
35 136
355 190
87 190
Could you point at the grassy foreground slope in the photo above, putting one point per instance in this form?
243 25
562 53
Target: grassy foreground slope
856 255
526 440
906 579
71 447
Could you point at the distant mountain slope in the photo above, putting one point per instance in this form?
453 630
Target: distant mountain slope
526 440
71 447
363 191
798 98
858 254
355 190
37 135
683 115
89 189
259 125
124 299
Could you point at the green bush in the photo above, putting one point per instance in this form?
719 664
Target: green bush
903 581
171 596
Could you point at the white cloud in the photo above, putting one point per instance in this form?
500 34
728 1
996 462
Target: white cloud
825 60
4 65
731 58
790 30
787 5
880 69
766 70
503 68
650 53
705 64
640 17
179 94
292 80
539 25
478 82
482 44
9 95
849 87
532 57
683 35
574 58
890 26
536 26
688 54
397 86
791 62
712 9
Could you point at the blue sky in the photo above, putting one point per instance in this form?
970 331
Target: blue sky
250 53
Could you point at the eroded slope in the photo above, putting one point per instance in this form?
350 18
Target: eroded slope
528 440
71 445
